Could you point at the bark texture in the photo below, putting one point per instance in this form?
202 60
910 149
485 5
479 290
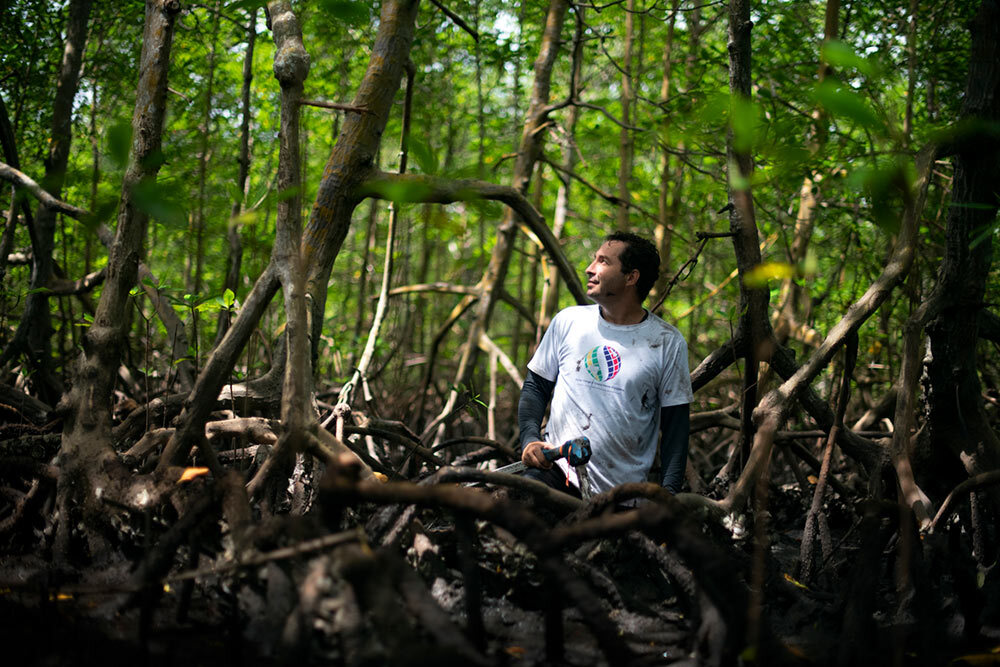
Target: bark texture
86 451
957 421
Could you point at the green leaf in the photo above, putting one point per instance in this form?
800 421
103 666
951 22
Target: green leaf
401 191
155 200
883 186
737 181
352 12
841 101
424 156
744 118
212 305
104 210
119 138
839 55
228 298
985 232
288 193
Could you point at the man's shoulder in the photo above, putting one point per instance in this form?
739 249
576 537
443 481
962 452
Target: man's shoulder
576 313
661 327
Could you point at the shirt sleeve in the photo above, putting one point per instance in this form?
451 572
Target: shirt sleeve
674 428
675 383
545 362
535 396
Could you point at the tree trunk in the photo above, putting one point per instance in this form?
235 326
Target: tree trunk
351 162
743 225
86 454
235 257
956 418
37 319
550 285
625 143
194 284
352 159
663 232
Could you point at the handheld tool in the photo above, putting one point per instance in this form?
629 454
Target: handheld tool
575 451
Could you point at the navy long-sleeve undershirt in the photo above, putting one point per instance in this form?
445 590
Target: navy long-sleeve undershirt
674 426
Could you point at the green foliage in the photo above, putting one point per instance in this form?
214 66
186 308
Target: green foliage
844 134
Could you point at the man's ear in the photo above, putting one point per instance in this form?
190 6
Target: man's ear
632 277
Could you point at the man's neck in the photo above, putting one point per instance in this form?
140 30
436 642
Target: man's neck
623 313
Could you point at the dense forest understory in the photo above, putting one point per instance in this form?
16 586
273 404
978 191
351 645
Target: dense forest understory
272 272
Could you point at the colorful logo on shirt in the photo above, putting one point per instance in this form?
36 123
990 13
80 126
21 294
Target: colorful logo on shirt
603 363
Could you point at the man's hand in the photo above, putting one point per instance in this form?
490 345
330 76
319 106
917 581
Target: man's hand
533 457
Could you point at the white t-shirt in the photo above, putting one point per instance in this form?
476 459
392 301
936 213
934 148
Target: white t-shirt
611 381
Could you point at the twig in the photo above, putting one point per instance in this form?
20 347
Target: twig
980 481
333 105
456 19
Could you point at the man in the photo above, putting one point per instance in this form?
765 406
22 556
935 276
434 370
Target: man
615 373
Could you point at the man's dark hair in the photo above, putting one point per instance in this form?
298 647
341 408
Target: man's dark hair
640 254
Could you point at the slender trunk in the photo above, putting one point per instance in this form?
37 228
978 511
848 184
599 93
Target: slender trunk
204 156
480 123
672 179
37 317
743 225
351 161
664 226
625 143
235 257
550 284
95 175
911 66
371 232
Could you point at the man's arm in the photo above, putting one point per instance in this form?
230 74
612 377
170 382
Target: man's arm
535 396
674 426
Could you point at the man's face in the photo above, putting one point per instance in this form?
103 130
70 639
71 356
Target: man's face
605 280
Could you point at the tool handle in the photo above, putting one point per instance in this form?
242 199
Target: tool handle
577 451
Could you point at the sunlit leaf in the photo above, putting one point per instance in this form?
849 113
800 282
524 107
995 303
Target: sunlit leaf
759 275
246 218
976 659
228 298
191 473
792 580
842 102
841 56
